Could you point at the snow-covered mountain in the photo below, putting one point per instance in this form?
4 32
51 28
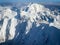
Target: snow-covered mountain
39 14
21 25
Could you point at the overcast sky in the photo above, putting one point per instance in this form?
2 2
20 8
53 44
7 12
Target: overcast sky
29 0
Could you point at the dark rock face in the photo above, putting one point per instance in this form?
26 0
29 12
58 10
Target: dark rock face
36 36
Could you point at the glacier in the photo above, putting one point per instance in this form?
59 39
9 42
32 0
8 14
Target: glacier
34 18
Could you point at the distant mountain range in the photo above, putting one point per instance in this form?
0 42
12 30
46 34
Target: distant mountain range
21 3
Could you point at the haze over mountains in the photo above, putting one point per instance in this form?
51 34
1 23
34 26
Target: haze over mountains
21 3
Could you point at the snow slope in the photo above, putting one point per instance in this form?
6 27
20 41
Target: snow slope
7 14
